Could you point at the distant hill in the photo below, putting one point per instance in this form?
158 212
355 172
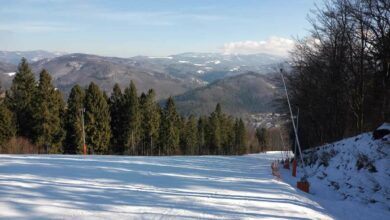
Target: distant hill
14 57
70 69
250 92
169 76
7 71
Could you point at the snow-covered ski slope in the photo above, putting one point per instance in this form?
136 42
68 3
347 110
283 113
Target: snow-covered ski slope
114 187
110 187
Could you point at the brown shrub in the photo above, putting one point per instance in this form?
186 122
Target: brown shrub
19 145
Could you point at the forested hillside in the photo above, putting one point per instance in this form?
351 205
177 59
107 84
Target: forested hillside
250 92
124 123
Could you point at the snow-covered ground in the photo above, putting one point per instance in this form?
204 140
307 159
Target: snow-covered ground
349 178
203 187
113 187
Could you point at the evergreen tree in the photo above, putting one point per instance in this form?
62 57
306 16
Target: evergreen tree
218 110
150 121
105 96
191 136
181 125
132 119
261 137
214 130
202 128
240 136
143 136
117 123
59 102
7 126
19 98
47 109
169 129
73 142
97 120
227 133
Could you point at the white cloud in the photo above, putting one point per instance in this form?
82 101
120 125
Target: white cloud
273 45
35 27
156 18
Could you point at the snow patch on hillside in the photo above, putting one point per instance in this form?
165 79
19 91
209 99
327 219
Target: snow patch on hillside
234 69
10 74
169 58
198 81
75 65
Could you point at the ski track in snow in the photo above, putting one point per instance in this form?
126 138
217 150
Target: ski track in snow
117 187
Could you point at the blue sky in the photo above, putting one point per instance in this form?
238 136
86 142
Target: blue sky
153 27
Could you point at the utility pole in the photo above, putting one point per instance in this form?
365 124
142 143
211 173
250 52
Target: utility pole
295 142
293 123
132 141
151 145
82 125
294 170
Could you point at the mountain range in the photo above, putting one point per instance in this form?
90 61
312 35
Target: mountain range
196 80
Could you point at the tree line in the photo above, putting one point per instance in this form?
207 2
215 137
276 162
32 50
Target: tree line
123 124
340 77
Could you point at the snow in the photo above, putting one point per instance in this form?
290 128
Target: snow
169 58
10 74
76 65
183 61
214 61
384 126
116 187
350 178
271 86
234 69
198 81
200 72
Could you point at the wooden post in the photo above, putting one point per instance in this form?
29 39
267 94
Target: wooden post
294 167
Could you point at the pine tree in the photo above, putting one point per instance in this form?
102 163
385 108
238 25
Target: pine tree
73 142
214 130
228 134
7 126
240 136
169 130
132 119
47 109
150 121
191 136
117 123
97 120
19 98
202 128
59 102
181 125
